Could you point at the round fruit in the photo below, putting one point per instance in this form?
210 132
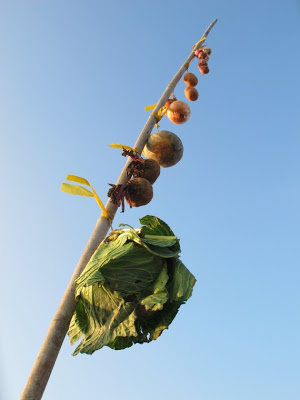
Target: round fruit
202 62
169 101
178 112
191 93
164 147
203 68
190 79
149 169
201 54
139 192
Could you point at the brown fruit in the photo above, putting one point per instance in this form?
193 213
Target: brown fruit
169 101
191 93
203 56
190 79
139 192
149 169
178 112
202 62
164 147
203 68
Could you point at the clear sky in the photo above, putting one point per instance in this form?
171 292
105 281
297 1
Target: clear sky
75 77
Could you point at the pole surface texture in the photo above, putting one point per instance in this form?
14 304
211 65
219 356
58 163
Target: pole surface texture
58 328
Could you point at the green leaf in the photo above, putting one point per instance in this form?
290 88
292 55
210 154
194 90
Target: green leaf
79 323
156 301
164 319
181 285
109 317
97 277
155 226
165 252
162 279
104 253
154 324
131 289
134 271
161 241
128 268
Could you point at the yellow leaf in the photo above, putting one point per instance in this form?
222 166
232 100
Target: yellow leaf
120 146
77 179
199 41
148 108
82 191
76 189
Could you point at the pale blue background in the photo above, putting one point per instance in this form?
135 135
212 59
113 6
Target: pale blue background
75 76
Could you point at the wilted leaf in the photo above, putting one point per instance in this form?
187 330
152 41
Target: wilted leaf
131 289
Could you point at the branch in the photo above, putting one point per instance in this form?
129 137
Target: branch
45 361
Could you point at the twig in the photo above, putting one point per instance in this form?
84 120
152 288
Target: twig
45 361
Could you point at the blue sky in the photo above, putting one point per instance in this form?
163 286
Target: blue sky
75 77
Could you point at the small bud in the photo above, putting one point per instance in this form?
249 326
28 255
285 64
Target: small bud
197 52
207 50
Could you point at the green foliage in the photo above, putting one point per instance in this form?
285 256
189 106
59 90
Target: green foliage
131 289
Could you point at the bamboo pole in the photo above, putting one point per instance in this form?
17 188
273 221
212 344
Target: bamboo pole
58 328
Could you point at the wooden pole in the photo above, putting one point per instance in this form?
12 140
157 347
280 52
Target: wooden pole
57 331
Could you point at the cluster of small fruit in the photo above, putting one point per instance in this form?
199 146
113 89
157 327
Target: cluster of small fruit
203 56
191 93
163 149
137 191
